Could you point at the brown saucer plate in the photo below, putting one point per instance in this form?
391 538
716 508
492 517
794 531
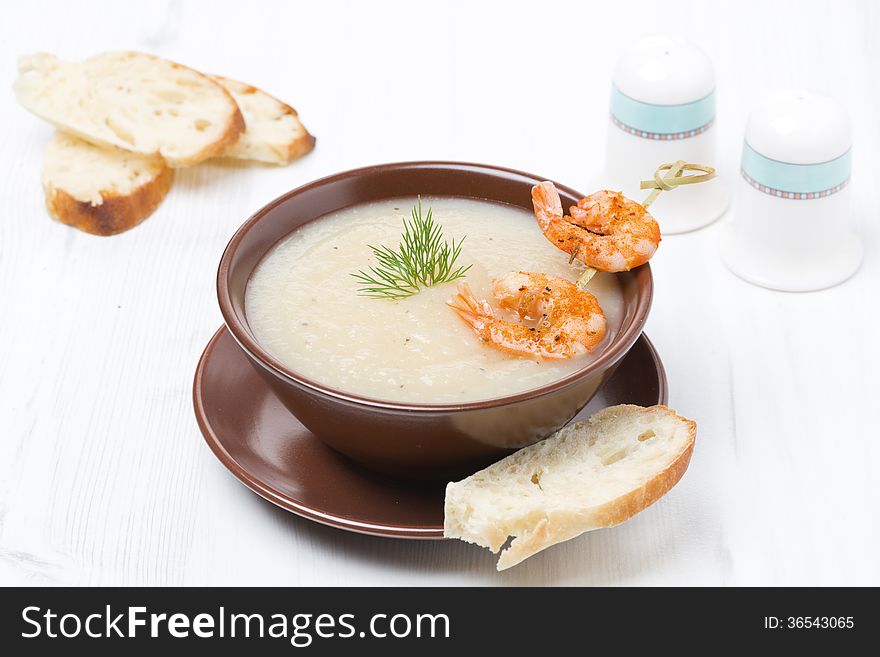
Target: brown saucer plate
274 455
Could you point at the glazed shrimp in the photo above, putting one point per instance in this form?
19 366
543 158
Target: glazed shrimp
606 230
569 320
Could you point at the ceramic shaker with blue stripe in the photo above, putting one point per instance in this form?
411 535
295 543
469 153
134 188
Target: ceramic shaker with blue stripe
791 226
663 110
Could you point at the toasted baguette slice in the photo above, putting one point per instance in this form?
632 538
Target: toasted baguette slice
134 101
273 132
98 190
586 476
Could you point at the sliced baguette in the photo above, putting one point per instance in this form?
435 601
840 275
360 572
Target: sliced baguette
586 476
273 132
98 190
133 101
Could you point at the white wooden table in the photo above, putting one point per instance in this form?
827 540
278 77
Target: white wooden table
104 477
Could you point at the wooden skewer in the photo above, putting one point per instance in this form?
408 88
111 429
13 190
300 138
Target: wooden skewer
674 177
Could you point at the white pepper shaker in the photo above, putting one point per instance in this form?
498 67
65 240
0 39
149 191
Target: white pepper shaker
791 220
663 110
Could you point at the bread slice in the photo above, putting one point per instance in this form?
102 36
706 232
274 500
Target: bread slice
134 101
98 190
586 476
273 132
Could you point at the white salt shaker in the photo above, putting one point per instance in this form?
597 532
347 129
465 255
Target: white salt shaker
791 219
663 110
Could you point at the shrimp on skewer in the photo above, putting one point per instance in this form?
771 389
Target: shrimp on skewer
569 320
605 231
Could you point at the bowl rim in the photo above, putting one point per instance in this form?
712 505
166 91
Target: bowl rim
615 351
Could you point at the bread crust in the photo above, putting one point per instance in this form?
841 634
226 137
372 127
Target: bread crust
300 146
117 213
234 127
559 527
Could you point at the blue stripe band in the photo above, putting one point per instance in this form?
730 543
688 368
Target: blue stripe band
662 119
798 178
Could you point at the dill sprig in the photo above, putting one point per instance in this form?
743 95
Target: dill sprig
422 259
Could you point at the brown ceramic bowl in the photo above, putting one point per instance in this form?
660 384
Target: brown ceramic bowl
415 440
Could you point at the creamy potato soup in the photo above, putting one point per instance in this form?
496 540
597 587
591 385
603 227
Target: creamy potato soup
304 308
